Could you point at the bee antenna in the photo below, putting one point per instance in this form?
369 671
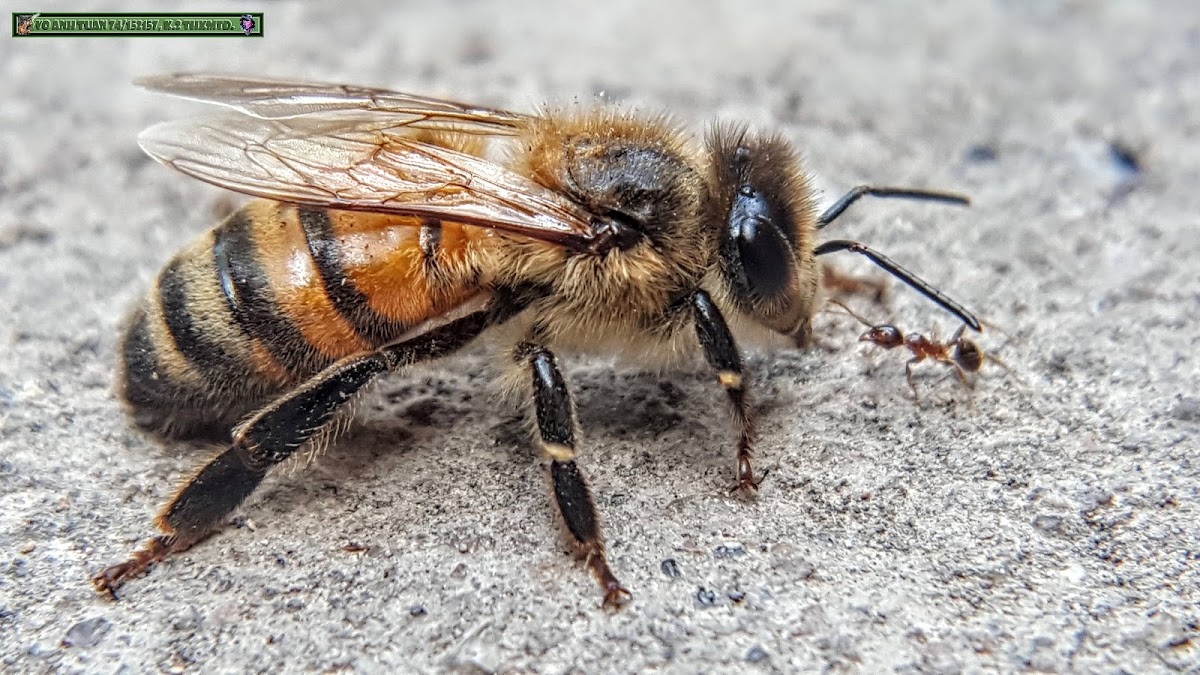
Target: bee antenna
861 191
892 267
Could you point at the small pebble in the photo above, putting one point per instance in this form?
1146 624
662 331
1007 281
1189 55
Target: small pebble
729 551
670 568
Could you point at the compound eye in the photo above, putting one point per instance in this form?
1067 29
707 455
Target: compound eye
766 256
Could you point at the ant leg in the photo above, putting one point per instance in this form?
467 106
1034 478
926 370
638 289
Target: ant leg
1005 366
272 435
908 375
555 416
722 354
961 375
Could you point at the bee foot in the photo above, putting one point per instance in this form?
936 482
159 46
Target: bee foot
746 485
616 595
112 578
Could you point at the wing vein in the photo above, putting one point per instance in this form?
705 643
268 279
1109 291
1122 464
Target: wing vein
359 149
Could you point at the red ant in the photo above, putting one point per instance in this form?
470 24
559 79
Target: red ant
958 352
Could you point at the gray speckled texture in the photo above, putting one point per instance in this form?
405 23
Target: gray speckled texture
1047 522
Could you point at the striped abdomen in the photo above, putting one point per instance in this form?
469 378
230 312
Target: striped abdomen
273 295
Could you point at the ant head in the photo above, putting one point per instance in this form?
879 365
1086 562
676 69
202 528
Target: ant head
886 336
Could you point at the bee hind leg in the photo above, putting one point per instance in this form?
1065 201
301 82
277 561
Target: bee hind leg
269 437
722 354
555 418
272 435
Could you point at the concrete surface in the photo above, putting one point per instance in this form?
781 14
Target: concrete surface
1046 522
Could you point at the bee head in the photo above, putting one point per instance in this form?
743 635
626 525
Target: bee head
761 203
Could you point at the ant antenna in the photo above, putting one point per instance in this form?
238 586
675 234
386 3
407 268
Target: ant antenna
892 267
851 312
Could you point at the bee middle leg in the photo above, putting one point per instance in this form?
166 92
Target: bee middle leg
555 418
272 435
722 354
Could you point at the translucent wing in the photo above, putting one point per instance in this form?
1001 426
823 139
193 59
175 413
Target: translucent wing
280 99
359 159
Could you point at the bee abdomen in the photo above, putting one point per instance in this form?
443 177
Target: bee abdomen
325 245
275 294
247 252
190 365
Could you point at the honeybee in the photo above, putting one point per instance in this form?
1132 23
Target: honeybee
391 232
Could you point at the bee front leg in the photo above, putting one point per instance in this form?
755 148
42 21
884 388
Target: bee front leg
273 435
555 416
722 354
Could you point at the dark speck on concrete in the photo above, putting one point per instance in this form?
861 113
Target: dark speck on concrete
19 234
670 568
476 50
729 551
757 654
1186 408
706 597
980 153
422 412
1127 159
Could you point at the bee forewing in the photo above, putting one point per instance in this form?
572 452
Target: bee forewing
280 99
358 161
